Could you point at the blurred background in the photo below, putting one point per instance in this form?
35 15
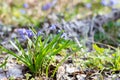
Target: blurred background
22 12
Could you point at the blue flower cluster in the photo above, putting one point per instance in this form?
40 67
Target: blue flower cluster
23 32
49 5
109 2
29 33
88 5
25 5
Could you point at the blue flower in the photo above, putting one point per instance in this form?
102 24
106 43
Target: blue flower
109 2
25 32
39 33
47 6
105 2
64 35
25 5
52 27
88 5
21 31
113 2
29 33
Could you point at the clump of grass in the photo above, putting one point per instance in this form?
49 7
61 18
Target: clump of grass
39 54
